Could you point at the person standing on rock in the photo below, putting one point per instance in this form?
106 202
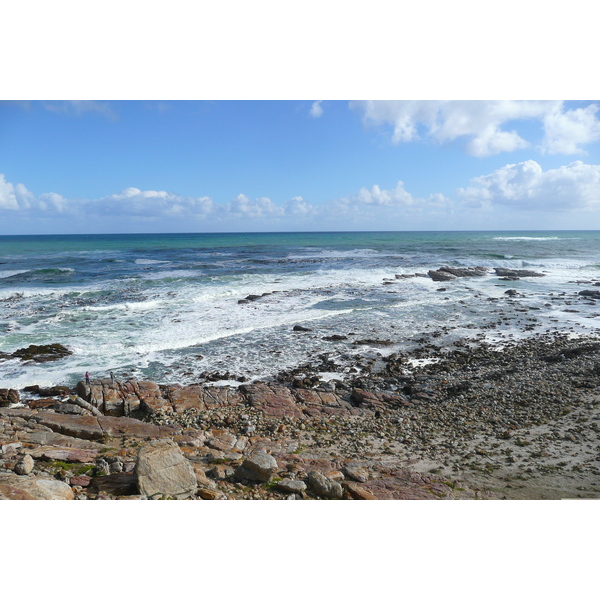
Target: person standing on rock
87 378
112 377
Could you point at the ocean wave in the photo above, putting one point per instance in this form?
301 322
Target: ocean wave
524 238
149 261
6 274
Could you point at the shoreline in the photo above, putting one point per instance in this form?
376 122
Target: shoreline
466 421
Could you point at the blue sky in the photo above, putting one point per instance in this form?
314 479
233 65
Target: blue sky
161 166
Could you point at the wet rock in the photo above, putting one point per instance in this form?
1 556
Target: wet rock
502 272
300 328
43 353
590 294
161 468
441 276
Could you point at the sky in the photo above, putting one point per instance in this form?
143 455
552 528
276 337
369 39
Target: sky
297 165
238 118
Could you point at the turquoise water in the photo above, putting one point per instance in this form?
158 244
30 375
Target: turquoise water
166 306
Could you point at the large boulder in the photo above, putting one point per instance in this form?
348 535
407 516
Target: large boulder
161 468
23 487
259 466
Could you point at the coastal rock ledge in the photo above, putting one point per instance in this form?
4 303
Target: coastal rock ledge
469 422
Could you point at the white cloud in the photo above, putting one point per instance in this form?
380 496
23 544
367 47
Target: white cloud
19 198
482 123
525 185
397 197
567 131
316 110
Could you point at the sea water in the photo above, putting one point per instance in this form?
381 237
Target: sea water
166 306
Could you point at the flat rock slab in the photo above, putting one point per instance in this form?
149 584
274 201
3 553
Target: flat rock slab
273 400
78 426
64 454
51 438
16 487
126 426
409 485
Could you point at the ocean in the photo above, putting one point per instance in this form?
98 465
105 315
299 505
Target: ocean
166 306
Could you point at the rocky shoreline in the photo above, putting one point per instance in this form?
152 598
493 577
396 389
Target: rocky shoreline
466 421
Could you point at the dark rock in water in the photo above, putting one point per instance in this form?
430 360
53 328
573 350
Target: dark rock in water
441 276
300 328
510 278
45 353
335 338
511 292
465 272
8 397
502 272
372 342
590 294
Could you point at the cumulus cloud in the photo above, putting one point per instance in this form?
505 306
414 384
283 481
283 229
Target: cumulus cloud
526 185
397 197
483 123
316 110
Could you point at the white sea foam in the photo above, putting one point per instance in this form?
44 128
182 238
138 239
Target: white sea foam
525 238
5 274
148 261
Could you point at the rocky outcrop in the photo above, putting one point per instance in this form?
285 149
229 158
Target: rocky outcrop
595 294
162 469
501 272
452 273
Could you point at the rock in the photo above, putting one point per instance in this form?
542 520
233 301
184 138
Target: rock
161 468
273 400
293 486
8 397
502 272
356 492
323 486
115 484
80 480
359 474
206 494
24 466
300 328
18 487
45 353
468 272
511 292
441 276
259 466
589 293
